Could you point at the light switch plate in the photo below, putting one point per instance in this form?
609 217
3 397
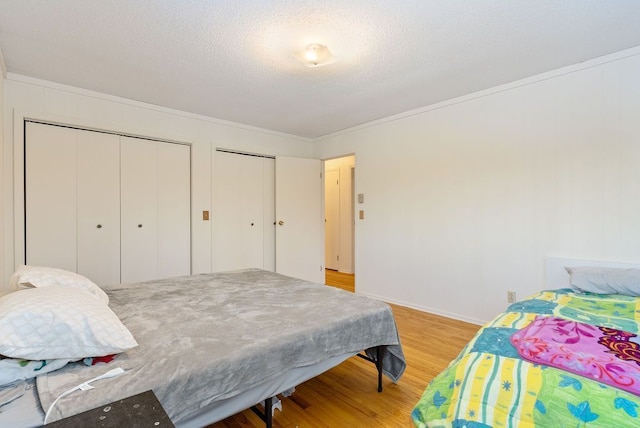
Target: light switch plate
360 198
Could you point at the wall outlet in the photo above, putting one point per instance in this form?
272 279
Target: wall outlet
511 296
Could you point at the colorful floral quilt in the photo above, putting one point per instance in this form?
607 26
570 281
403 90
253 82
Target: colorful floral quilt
490 385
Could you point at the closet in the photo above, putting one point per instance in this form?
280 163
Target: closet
267 213
110 207
244 212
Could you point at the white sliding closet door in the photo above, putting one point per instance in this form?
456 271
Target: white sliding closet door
73 201
269 204
239 212
139 212
112 208
174 210
50 198
98 222
155 214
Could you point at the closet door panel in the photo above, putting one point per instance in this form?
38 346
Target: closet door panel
174 210
139 209
50 196
252 239
238 212
98 190
227 250
269 204
227 212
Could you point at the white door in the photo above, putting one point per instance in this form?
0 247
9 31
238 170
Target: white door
50 196
299 230
174 210
239 211
156 201
269 199
139 193
332 218
98 210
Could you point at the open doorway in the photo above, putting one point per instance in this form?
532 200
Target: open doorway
339 188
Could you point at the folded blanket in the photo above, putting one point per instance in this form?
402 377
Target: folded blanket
601 353
12 369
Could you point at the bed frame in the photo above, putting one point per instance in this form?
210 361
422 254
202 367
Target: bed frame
266 413
377 361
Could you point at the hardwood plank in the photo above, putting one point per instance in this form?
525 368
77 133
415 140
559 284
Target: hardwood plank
346 281
346 395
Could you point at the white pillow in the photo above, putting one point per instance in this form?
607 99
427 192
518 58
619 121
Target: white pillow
41 276
59 322
605 280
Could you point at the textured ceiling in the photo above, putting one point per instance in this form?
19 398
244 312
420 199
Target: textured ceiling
233 59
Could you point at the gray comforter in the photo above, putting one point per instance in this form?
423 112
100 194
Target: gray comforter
208 337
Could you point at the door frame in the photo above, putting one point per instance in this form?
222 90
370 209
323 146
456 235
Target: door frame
329 220
353 187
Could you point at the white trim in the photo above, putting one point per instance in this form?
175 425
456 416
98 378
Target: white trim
18 243
425 309
102 96
616 56
92 125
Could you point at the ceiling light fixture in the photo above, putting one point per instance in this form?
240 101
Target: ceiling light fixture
316 55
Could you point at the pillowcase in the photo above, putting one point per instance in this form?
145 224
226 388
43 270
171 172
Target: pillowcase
605 280
41 276
59 322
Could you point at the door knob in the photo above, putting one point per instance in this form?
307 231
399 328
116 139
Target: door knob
139 225
281 223
99 226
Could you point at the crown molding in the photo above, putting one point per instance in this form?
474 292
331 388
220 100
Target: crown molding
616 56
99 95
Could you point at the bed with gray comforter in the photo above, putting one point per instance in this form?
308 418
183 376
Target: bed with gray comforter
209 337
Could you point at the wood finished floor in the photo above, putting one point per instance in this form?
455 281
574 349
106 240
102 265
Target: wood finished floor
346 395
346 281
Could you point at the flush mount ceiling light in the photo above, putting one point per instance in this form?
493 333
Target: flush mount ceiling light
316 55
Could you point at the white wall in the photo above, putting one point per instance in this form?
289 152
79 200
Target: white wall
36 98
464 199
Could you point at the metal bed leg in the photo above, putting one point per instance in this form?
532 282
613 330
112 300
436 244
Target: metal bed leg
377 361
267 415
268 411
379 356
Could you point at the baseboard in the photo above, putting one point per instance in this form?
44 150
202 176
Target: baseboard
425 309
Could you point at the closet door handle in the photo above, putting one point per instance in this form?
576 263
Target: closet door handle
139 226
281 223
99 226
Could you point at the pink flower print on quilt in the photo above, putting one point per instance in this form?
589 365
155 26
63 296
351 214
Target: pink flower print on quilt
603 354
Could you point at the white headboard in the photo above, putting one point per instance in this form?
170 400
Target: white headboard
556 276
